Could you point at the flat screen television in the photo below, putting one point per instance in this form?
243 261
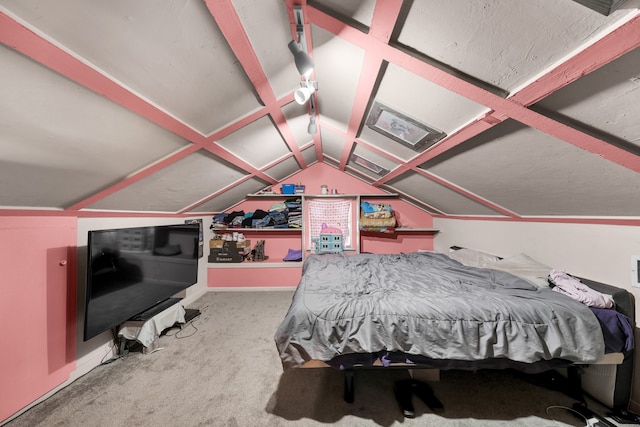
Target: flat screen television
133 270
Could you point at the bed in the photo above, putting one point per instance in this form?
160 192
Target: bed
429 310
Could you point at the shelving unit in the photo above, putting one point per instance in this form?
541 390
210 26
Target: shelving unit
279 240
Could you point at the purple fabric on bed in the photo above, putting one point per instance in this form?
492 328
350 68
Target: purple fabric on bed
616 328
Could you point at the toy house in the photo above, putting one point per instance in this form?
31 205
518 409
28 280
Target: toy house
330 239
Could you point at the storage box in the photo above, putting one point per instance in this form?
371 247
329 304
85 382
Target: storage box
230 251
216 243
225 255
219 243
288 189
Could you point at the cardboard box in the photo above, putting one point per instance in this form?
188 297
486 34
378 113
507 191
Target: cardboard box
219 244
216 243
229 251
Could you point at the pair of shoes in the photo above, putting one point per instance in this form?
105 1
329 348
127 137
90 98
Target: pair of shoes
403 391
425 393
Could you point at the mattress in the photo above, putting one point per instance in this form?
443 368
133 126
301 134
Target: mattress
432 308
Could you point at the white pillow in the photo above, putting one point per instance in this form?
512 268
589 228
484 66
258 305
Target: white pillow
524 266
473 258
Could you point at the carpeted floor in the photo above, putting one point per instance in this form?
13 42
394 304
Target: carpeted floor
222 369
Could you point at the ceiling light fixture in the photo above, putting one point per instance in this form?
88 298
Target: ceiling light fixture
307 88
303 61
304 65
312 128
298 49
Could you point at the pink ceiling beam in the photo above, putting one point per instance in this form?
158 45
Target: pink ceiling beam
225 15
451 141
252 117
384 19
368 76
25 41
517 111
215 194
503 107
612 46
467 194
20 38
620 41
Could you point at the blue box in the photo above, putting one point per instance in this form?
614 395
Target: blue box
288 189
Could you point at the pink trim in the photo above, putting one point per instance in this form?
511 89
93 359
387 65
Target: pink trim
253 277
590 221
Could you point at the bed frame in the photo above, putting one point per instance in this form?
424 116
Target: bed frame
572 386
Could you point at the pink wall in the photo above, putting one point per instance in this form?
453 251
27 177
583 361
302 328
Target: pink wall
37 307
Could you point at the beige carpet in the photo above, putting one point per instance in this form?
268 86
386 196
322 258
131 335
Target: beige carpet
223 370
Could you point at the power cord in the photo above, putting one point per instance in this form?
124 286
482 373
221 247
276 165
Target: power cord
573 411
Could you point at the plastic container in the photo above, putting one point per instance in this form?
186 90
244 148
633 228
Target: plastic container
288 189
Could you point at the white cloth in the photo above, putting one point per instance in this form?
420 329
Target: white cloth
577 290
147 332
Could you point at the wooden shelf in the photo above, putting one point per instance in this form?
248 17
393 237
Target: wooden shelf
258 230
416 230
281 196
272 195
256 264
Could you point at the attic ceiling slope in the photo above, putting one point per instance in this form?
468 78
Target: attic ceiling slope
181 107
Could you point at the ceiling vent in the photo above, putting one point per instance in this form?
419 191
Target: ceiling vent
402 128
605 7
369 165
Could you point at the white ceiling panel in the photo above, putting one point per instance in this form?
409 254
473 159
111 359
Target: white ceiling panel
475 37
267 25
190 179
338 66
332 143
55 132
283 169
604 100
298 120
355 12
231 197
170 52
532 173
441 198
309 155
258 143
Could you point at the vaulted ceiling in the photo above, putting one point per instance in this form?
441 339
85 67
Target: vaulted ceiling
185 106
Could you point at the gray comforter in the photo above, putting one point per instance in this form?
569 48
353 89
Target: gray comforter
431 305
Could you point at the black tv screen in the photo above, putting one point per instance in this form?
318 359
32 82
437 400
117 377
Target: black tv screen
130 270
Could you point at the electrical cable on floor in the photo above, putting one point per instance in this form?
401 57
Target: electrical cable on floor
182 327
192 324
573 411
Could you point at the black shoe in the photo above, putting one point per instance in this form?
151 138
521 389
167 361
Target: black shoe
403 392
425 393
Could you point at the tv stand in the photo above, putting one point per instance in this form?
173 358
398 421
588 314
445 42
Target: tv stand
147 332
